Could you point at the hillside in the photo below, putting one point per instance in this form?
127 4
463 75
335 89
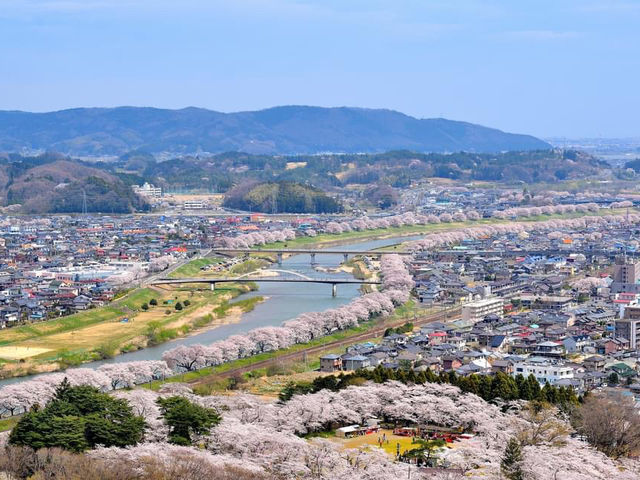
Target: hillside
280 197
331 172
279 130
53 184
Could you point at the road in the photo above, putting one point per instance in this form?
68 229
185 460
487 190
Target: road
300 355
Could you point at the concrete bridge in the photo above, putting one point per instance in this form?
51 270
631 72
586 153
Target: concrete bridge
311 252
246 278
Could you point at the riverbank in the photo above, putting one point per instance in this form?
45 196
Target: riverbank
325 240
123 326
214 379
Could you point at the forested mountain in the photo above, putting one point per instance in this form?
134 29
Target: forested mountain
55 184
279 130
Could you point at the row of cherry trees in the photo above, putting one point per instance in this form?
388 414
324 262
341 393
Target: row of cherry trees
435 240
249 240
396 285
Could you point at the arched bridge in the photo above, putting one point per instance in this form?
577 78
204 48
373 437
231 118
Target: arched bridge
296 274
246 278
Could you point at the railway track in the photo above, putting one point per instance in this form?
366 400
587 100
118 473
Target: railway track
300 355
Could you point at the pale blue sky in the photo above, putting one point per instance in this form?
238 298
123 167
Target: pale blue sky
545 67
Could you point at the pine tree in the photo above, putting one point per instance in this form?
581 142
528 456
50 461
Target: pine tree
534 387
511 464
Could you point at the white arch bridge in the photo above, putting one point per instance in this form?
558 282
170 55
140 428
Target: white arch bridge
247 278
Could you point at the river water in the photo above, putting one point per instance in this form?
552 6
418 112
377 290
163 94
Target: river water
284 301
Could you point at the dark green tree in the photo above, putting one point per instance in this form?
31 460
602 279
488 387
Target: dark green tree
79 418
153 302
178 306
185 419
504 387
533 387
511 464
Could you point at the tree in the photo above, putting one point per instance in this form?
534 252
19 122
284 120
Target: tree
185 419
542 426
511 464
187 303
609 423
79 418
178 306
613 379
153 302
145 307
426 451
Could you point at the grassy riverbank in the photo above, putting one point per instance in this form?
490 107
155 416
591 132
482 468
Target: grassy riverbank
207 381
103 332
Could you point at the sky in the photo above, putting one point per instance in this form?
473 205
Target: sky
550 68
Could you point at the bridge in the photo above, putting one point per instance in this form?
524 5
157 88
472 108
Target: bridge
311 252
246 278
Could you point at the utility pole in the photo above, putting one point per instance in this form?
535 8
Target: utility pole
84 202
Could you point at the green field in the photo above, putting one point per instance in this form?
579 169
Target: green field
192 269
8 423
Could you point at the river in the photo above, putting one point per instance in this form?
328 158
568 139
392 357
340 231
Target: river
284 301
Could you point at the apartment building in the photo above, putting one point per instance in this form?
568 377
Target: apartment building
477 310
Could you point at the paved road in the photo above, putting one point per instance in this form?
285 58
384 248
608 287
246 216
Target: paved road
378 331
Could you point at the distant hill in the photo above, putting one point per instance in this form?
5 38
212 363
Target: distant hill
54 184
280 197
279 130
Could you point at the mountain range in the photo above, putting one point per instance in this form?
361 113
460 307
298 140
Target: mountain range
278 130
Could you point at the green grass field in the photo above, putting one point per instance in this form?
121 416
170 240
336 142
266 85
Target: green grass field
8 423
192 269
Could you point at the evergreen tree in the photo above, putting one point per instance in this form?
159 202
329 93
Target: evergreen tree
549 394
534 387
511 464
79 418
484 387
186 419
503 387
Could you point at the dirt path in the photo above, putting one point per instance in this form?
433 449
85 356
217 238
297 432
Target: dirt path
299 355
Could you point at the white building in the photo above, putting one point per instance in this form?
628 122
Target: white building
477 310
543 369
148 190
194 205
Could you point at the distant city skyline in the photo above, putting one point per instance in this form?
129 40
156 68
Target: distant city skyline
547 68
